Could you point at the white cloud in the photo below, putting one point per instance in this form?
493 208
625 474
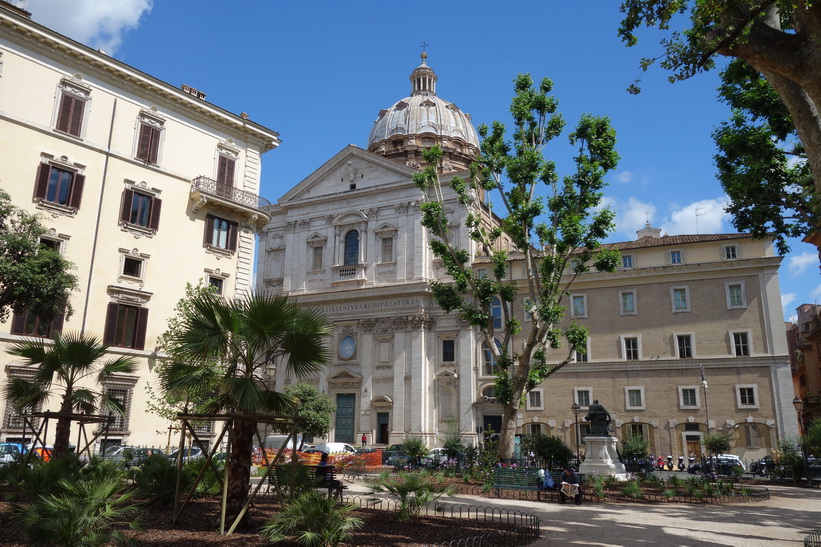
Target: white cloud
701 217
816 294
97 24
624 177
786 300
798 264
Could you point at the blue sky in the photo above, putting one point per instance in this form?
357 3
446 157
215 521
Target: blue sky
319 72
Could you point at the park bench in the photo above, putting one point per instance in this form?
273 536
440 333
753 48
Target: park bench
280 478
526 480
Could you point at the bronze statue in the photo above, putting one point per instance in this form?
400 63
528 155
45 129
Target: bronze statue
599 420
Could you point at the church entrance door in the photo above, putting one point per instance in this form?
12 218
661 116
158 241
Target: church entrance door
345 417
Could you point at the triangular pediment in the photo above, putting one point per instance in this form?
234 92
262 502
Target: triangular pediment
345 375
350 170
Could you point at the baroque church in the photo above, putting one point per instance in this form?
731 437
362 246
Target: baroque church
348 240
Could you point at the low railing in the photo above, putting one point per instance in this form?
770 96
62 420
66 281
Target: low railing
350 272
226 191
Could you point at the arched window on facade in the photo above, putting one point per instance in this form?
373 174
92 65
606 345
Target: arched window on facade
488 359
351 248
489 391
496 312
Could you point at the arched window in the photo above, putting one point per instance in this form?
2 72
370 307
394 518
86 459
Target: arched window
351 248
489 366
496 312
489 391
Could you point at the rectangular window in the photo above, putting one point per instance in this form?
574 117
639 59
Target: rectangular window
741 344
28 324
681 299
688 396
387 249
631 347
316 257
626 261
751 435
59 186
125 326
676 257
221 233
579 305
534 400
729 252
634 397
217 283
627 302
527 308
735 295
684 345
13 418
634 431
141 210
225 170
148 143
581 356
70 115
132 267
746 396
535 429
583 396
122 395
448 351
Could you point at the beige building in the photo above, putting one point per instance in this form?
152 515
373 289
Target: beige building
348 240
144 186
804 339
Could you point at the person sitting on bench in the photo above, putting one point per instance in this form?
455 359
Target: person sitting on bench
324 477
570 485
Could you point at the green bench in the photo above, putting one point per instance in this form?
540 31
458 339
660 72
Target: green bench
282 476
527 480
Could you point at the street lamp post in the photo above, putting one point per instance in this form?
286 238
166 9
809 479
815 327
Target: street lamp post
798 403
575 408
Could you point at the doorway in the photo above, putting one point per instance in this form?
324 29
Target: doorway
345 417
382 428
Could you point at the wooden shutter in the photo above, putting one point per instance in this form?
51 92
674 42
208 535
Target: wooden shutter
77 183
142 324
148 146
232 235
125 212
76 124
41 186
208 236
18 323
154 220
154 148
70 115
111 323
225 170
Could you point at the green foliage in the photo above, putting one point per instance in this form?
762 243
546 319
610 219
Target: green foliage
210 484
761 163
556 227
71 361
635 447
32 276
316 408
67 505
414 447
812 439
452 443
156 480
313 520
598 486
788 459
294 479
413 491
548 449
717 443
632 489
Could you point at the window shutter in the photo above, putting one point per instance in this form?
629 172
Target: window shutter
232 236
208 236
110 323
76 117
154 148
41 186
148 146
76 190
64 114
142 323
125 212
18 323
225 171
156 206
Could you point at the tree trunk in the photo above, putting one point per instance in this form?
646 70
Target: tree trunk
239 467
508 433
62 434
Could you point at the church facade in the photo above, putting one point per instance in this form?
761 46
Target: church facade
685 317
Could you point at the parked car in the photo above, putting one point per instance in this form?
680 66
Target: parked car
733 458
763 467
435 458
188 454
392 450
336 448
720 465
128 455
11 451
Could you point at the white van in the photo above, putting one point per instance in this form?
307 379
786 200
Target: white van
275 442
336 448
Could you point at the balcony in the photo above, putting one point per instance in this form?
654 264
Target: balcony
352 273
205 190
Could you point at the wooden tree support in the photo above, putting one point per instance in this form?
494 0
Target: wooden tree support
39 435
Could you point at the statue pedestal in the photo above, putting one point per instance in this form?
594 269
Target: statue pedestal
601 456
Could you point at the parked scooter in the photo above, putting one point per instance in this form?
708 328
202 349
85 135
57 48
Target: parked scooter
669 463
681 466
660 464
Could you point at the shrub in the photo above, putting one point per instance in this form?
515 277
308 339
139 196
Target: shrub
209 485
788 459
717 443
635 448
413 491
415 448
632 489
156 480
548 449
312 519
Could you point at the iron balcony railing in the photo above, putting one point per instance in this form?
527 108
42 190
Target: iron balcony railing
226 191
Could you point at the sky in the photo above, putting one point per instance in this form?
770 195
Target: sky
319 73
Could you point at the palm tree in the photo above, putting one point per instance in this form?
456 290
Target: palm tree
245 336
69 360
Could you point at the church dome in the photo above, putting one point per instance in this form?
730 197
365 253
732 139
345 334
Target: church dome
422 120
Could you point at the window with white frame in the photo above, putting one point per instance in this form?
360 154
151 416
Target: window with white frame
736 297
13 417
316 257
534 399
73 99
316 246
150 127
448 350
133 264
535 429
386 253
680 299
527 308
741 343
582 396
628 261
631 347
634 431
634 398
627 302
122 394
496 312
684 346
751 437
675 256
730 252
578 305
688 397
387 239
746 395
489 391
582 354
489 366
